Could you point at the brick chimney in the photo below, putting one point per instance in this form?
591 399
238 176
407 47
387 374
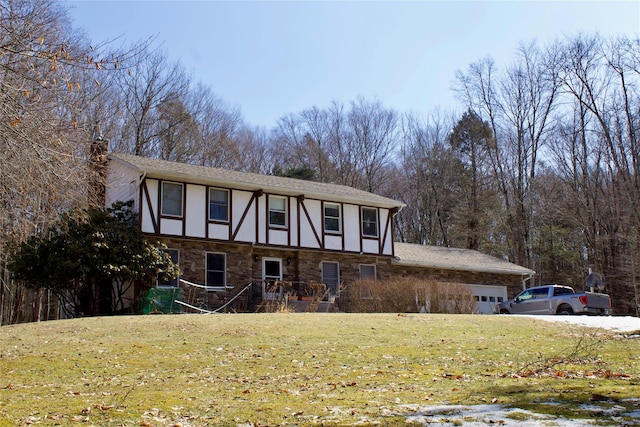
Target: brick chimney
98 172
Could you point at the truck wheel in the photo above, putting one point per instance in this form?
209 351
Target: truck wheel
504 312
564 310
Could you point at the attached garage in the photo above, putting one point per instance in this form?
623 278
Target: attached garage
488 297
490 279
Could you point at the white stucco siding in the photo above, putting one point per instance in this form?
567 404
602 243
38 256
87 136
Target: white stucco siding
171 227
311 226
333 242
218 231
278 237
122 184
385 232
351 228
307 238
293 226
149 212
262 220
196 212
245 230
387 249
370 246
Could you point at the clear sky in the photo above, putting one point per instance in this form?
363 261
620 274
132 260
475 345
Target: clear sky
274 58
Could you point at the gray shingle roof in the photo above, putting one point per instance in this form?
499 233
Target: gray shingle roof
454 259
252 182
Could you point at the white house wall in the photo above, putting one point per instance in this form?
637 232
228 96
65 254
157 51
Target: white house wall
333 242
248 210
385 232
219 231
262 220
121 185
197 211
293 228
351 230
311 225
244 231
279 237
149 214
171 227
370 246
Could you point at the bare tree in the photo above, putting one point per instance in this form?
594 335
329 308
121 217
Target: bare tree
145 84
427 181
257 154
374 132
46 74
220 127
518 105
602 79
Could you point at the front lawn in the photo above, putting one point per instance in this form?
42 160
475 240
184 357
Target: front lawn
309 369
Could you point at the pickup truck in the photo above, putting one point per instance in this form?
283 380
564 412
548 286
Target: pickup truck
556 299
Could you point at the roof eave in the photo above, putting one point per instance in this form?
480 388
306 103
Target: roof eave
496 270
196 179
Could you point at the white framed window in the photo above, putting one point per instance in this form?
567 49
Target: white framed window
216 270
368 272
369 222
218 204
332 217
331 277
175 257
172 195
278 211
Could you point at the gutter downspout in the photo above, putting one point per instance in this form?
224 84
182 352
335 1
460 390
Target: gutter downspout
525 279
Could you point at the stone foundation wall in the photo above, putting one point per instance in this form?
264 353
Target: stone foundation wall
244 265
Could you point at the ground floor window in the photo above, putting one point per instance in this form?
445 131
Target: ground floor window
175 257
367 273
216 274
331 277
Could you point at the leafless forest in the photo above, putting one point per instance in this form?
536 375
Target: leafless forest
541 165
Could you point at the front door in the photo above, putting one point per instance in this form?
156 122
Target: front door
271 273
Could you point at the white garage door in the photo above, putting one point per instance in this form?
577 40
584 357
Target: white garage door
487 297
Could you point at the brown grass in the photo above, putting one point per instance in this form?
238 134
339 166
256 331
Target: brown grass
305 369
408 296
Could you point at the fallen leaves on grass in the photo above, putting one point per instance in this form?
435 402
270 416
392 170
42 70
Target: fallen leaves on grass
568 374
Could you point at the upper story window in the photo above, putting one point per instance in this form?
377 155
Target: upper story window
370 222
332 217
277 211
172 194
218 204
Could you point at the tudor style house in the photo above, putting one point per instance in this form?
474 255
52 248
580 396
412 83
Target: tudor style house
227 229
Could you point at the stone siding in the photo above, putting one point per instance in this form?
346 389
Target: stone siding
244 266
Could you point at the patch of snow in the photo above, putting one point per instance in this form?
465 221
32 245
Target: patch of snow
483 415
612 323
